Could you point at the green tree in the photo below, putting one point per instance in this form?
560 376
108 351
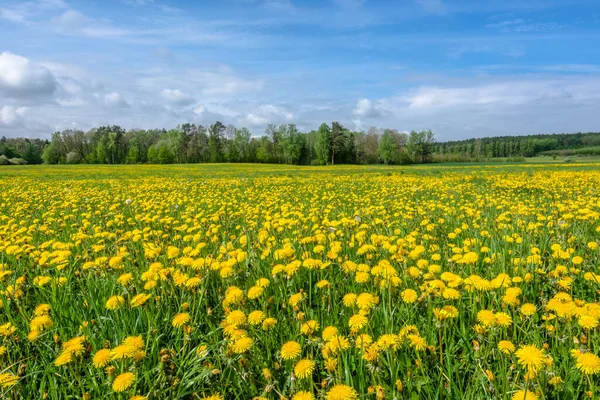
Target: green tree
420 145
323 144
388 147
215 141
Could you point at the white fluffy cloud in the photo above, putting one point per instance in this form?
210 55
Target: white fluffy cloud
21 77
11 116
115 100
256 121
177 97
365 108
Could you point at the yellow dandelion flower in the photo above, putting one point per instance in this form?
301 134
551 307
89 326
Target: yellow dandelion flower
341 392
409 296
506 347
180 320
303 396
357 321
101 358
114 302
123 382
291 350
524 395
8 380
530 357
588 363
242 345
304 368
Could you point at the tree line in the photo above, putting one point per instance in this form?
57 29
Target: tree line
524 146
329 144
191 143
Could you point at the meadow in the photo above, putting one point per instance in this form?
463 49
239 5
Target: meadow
271 282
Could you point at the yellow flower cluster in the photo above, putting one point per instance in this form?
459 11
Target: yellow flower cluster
226 282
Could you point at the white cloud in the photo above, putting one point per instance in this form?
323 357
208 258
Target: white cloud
433 6
256 121
115 100
20 77
11 116
365 108
177 97
276 113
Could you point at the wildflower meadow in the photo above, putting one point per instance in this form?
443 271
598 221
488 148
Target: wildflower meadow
280 282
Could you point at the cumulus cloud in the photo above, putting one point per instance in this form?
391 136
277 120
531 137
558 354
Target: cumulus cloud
11 116
177 97
21 77
276 113
256 121
115 100
365 108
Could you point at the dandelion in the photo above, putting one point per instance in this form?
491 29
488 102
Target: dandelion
303 396
180 320
524 395
123 382
357 321
341 392
506 347
291 350
242 345
139 299
409 296
530 357
588 363
304 368
101 358
8 380
587 321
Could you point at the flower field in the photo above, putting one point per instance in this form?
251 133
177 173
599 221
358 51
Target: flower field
256 282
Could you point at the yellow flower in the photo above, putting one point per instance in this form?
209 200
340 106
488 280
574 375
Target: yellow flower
304 368
503 319
291 350
180 320
524 395
349 300
409 296
101 358
341 392
506 347
357 321
528 309
269 323
530 357
309 327
587 321
213 397
329 332
236 317
123 382
8 380
114 302
256 317
139 299
242 345
303 396
486 317
588 363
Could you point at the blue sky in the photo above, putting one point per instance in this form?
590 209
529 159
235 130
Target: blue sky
462 68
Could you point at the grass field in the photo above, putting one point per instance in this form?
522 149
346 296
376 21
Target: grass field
270 282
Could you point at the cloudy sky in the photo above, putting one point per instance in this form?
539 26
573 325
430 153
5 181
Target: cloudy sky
464 68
